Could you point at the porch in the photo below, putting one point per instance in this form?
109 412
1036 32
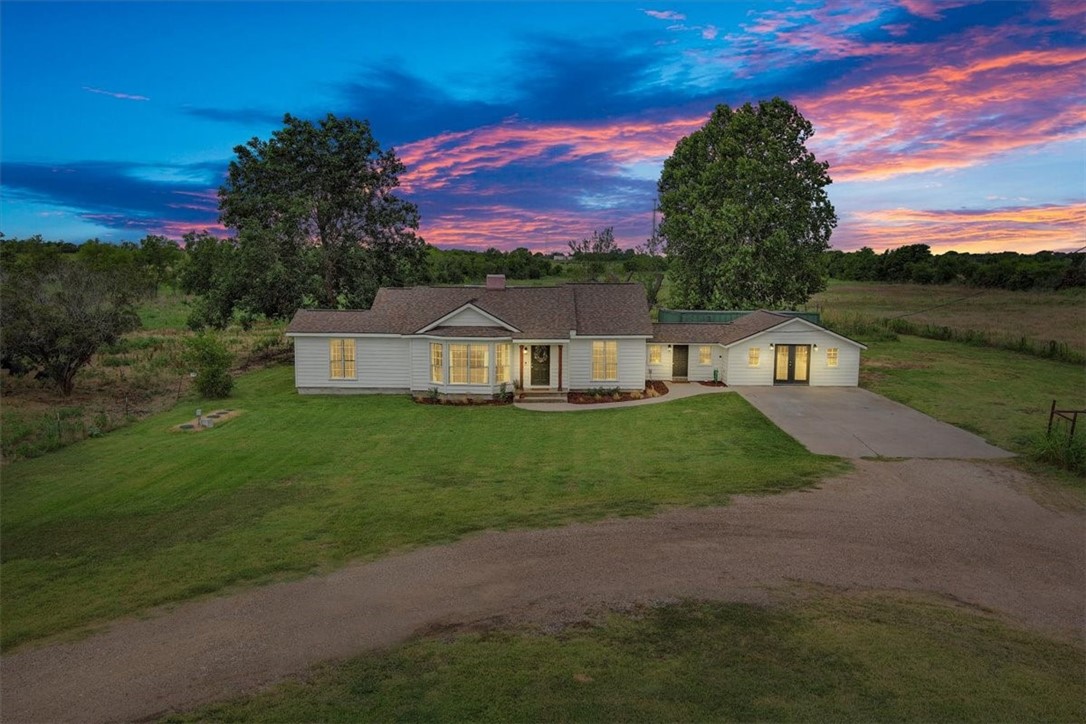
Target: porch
542 367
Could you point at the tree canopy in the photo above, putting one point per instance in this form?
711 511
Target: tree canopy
54 317
745 211
317 222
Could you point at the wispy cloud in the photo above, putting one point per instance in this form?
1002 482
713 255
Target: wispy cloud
949 116
709 32
665 15
114 94
1026 229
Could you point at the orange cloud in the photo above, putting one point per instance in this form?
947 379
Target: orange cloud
1025 229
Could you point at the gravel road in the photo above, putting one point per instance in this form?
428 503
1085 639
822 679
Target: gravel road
959 529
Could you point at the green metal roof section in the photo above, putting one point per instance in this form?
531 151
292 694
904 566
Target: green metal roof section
722 316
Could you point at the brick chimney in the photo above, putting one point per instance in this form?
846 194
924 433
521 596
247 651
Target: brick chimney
495 282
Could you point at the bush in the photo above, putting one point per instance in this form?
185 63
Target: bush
212 361
1060 449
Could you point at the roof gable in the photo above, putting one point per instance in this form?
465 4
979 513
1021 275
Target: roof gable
467 319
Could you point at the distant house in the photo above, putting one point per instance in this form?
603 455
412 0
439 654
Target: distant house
463 341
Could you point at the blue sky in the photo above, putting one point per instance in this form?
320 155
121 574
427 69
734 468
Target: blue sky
959 124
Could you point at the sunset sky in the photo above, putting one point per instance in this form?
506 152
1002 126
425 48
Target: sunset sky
958 124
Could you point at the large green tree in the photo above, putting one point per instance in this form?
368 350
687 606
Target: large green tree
53 319
317 220
745 210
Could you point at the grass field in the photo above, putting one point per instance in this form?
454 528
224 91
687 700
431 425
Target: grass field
1000 395
1040 317
146 515
861 658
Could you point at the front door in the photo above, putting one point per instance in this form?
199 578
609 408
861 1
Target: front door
541 365
680 360
793 364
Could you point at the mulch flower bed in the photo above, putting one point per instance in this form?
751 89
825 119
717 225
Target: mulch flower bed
712 383
654 388
462 402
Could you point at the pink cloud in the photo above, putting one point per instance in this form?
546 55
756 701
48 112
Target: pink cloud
441 160
932 9
112 94
1025 229
500 226
665 15
709 32
949 116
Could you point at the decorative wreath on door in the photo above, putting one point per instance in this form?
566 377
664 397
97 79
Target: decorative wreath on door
541 354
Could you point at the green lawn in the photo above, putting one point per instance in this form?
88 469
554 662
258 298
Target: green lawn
146 515
832 659
1000 395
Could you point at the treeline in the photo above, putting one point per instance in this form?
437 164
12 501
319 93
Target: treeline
916 264
144 265
458 266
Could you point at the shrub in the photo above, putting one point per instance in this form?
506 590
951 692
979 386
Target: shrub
1060 449
212 361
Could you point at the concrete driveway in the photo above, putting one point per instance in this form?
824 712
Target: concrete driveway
854 423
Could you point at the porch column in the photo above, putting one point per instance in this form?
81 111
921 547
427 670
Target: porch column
560 366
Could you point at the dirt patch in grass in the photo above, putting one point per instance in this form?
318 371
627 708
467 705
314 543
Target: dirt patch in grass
215 418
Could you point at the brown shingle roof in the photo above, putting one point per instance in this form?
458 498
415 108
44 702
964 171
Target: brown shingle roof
538 312
470 332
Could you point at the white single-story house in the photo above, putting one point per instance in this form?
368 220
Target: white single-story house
476 341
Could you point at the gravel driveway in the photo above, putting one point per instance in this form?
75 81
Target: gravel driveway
958 529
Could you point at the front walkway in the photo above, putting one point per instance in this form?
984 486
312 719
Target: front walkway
676 391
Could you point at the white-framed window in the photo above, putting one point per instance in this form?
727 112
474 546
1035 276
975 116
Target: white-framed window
502 355
605 361
831 357
655 354
753 354
437 362
478 369
705 355
458 364
341 359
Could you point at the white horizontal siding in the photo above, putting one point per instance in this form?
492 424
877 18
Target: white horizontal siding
469 317
380 363
696 372
737 371
631 365
846 374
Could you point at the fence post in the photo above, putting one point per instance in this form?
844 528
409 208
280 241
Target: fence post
1051 414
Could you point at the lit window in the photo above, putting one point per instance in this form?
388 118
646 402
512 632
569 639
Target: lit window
437 362
705 355
458 364
831 357
752 356
502 353
605 361
655 354
478 372
341 359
